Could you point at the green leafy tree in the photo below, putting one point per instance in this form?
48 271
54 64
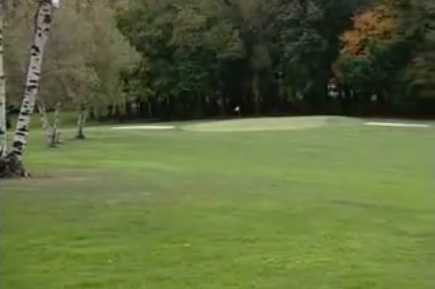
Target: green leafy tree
420 73
377 50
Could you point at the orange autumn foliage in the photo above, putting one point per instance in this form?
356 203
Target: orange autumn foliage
378 23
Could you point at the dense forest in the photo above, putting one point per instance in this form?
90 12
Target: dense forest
173 59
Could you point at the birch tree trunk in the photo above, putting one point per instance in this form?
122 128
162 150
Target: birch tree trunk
44 120
52 134
41 34
256 93
3 121
81 122
55 134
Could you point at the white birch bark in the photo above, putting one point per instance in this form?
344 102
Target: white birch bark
81 122
52 134
3 123
45 122
55 134
41 34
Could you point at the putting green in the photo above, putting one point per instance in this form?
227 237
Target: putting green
264 124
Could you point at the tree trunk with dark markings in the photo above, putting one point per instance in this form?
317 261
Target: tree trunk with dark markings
81 122
52 133
12 164
3 121
55 133
45 122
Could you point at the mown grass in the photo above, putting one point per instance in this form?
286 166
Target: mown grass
338 206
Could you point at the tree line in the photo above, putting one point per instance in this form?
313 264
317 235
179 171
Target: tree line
202 58
166 59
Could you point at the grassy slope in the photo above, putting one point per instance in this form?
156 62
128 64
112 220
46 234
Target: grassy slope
340 206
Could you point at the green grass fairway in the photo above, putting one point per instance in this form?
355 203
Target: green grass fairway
337 206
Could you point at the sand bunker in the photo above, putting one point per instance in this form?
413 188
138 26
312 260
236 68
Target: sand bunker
144 127
398 124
